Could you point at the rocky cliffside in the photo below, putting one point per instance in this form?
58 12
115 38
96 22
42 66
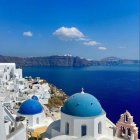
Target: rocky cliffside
117 61
58 97
64 61
68 61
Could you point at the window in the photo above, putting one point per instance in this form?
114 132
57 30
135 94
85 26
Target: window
67 128
27 122
125 118
129 131
37 120
83 130
99 128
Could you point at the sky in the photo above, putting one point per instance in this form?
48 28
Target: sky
92 29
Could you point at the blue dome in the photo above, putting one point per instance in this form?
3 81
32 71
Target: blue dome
35 97
82 105
30 107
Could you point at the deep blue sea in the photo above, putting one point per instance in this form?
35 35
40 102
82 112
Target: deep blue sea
116 87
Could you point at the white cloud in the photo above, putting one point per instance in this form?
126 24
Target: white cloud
83 39
102 48
28 34
91 43
95 44
71 33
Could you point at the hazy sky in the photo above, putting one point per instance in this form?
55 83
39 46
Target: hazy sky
88 28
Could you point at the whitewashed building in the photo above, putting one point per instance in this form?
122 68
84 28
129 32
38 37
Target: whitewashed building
10 128
83 118
9 71
34 113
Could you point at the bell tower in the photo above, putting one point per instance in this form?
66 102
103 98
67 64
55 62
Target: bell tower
126 127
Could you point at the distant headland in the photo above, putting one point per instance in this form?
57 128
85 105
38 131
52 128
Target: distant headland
64 61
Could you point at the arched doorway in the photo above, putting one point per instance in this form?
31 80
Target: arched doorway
67 128
99 128
83 130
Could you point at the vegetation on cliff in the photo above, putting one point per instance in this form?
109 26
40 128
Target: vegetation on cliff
58 97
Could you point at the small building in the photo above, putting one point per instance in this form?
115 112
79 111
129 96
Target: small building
34 114
9 71
32 110
10 128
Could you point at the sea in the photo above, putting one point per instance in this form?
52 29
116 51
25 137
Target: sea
116 87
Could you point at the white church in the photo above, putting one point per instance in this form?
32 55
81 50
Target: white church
33 112
83 118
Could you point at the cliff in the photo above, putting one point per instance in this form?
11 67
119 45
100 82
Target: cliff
53 61
117 61
64 61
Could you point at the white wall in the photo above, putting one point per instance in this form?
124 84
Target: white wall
75 124
32 119
18 72
18 134
7 127
8 70
2 126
